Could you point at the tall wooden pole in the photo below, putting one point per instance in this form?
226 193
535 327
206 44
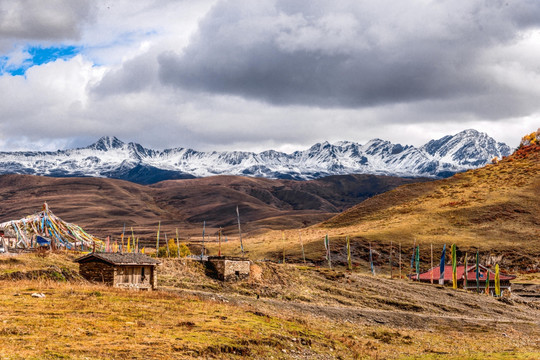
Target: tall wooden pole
203 229
391 269
283 242
349 259
432 263
177 244
302 245
157 238
400 260
239 230
219 240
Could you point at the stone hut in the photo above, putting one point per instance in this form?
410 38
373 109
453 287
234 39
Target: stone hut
129 270
227 268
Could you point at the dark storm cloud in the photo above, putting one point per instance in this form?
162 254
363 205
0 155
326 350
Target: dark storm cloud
44 20
348 53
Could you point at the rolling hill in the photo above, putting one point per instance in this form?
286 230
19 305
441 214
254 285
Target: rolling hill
102 206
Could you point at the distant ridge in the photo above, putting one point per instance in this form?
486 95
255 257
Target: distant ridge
112 158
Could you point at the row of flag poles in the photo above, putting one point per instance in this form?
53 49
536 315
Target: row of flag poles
415 264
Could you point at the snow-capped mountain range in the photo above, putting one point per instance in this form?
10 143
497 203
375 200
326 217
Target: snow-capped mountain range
112 158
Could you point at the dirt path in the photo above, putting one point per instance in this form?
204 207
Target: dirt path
366 316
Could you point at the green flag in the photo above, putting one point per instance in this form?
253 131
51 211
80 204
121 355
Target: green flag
418 263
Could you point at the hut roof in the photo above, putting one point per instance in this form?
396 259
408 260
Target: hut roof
119 258
460 273
230 258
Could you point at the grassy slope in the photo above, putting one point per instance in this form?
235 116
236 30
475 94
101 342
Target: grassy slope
103 206
494 208
302 313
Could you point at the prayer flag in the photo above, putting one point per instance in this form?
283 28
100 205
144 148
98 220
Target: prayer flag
441 266
349 262
497 281
327 246
371 260
418 262
454 267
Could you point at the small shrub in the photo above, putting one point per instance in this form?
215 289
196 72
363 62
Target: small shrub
173 250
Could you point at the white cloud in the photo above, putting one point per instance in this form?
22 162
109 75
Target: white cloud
282 74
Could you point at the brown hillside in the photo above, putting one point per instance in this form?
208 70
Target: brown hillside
102 206
495 208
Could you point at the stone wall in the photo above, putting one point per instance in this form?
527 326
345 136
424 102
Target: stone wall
98 272
230 270
119 276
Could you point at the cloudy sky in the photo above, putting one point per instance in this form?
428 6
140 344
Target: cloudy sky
254 75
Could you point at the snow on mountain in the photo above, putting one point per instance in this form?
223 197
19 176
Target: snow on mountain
110 157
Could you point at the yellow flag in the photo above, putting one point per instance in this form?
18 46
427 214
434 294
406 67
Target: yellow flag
497 281
128 245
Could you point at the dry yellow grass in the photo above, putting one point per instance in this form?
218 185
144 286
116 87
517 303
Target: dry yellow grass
196 318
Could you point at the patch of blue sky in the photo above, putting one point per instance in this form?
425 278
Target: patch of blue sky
36 55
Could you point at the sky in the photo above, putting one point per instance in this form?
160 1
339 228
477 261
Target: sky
266 74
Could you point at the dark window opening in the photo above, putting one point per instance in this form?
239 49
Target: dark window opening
237 273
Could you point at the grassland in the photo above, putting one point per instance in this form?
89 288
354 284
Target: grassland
281 312
493 209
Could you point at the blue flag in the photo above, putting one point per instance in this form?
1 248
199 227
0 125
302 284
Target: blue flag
443 259
371 260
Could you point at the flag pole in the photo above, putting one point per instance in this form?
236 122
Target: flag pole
203 229
371 260
239 231
349 259
177 244
465 282
219 240
302 244
283 243
477 273
391 272
157 238
431 263
400 260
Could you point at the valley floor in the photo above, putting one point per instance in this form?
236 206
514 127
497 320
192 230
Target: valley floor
280 312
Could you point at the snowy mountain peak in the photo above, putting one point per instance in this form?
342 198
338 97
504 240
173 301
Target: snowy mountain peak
106 143
110 157
469 147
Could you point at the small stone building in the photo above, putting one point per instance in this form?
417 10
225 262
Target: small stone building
227 268
134 271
